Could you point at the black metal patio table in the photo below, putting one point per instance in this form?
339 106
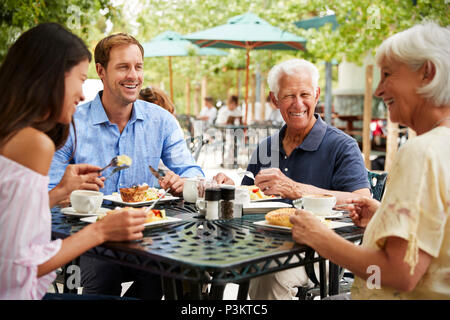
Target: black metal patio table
217 252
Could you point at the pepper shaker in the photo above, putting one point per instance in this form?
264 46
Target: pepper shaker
227 202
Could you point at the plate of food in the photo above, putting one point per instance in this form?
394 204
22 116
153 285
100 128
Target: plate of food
257 195
264 207
138 196
154 218
279 219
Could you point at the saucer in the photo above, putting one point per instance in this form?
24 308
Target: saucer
69 211
334 214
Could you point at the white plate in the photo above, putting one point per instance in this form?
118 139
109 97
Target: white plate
266 199
334 214
264 207
154 223
331 224
118 200
69 211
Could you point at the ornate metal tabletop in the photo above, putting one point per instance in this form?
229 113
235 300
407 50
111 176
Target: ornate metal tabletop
202 251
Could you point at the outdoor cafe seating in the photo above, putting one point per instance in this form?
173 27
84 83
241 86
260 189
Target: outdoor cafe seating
215 252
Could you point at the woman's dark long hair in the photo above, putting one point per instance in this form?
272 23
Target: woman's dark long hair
32 81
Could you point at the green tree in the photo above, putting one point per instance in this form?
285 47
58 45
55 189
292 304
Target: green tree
363 25
80 16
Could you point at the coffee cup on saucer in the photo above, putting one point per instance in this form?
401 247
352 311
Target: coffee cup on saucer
319 204
86 201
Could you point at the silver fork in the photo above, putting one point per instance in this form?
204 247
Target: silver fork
117 170
113 163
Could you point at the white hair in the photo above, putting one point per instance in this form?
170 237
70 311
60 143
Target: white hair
426 42
289 67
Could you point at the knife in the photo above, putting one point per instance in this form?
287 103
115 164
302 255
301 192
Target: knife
157 174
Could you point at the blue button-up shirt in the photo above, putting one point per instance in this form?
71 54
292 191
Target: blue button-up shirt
327 158
151 134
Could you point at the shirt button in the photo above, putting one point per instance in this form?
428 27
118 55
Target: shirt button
285 157
286 169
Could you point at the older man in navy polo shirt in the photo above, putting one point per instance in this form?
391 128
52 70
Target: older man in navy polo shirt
305 156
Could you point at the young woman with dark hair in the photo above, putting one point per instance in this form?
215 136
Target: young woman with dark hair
41 80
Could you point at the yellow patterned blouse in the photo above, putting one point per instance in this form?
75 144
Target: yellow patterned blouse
416 207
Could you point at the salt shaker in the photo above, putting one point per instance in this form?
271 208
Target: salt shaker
226 202
212 198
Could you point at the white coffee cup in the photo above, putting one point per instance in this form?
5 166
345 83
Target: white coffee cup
190 190
319 204
86 201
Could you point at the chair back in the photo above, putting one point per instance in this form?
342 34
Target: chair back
195 145
377 181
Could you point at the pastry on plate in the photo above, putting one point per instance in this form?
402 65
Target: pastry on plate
280 217
134 194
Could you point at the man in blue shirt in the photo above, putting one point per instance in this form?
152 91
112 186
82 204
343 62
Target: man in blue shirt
306 156
116 123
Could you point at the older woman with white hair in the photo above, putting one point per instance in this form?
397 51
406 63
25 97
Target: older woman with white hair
405 253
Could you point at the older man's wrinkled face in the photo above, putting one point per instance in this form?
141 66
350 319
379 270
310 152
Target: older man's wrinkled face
398 89
297 100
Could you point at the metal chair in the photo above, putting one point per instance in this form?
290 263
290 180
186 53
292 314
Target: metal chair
195 145
377 181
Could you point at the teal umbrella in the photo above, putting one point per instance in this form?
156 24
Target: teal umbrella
249 32
171 44
316 23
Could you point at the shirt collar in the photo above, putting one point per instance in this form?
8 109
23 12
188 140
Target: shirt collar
99 116
312 140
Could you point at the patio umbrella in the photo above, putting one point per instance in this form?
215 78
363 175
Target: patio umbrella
316 23
172 44
249 32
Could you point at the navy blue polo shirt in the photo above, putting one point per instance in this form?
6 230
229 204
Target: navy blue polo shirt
327 158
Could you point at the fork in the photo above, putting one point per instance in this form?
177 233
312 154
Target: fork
113 163
117 169
241 172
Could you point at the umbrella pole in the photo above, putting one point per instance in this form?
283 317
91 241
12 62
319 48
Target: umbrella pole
170 79
246 86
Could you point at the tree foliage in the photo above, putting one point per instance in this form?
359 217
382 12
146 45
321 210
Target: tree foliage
80 16
363 25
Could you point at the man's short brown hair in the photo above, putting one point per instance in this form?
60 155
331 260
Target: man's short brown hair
103 48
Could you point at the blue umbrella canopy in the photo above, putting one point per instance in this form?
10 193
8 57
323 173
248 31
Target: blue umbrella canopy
172 44
250 32
247 31
318 22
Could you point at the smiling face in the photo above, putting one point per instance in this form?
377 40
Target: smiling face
73 93
398 88
297 100
122 78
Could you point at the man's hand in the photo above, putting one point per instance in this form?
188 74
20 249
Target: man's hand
273 182
174 182
222 178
